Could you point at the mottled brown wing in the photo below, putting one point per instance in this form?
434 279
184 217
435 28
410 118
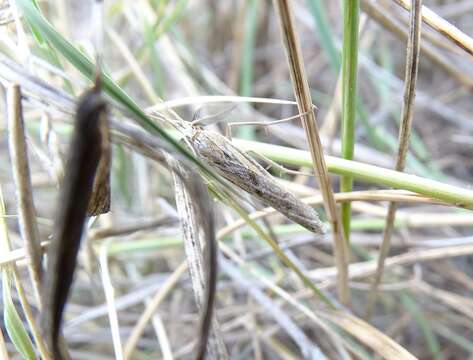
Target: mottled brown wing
247 174
100 200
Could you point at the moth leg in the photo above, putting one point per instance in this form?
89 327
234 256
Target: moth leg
204 120
228 132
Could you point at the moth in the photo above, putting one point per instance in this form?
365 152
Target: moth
85 161
244 172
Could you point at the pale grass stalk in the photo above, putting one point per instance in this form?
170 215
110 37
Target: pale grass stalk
162 338
110 298
151 308
22 179
3 347
17 255
122 230
304 101
412 67
442 26
368 268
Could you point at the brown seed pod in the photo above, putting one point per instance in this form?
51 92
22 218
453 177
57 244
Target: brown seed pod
84 155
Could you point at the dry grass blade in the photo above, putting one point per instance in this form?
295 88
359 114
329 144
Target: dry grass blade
442 26
84 157
196 215
308 348
412 66
290 300
110 299
151 309
302 94
370 336
21 175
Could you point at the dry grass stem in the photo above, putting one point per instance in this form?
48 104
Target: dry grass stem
304 101
412 66
22 178
369 268
442 26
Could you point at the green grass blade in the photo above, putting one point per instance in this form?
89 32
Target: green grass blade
155 64
247 73
324 33
13 324
349 77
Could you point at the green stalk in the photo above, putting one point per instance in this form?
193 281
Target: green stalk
349 72
369 173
